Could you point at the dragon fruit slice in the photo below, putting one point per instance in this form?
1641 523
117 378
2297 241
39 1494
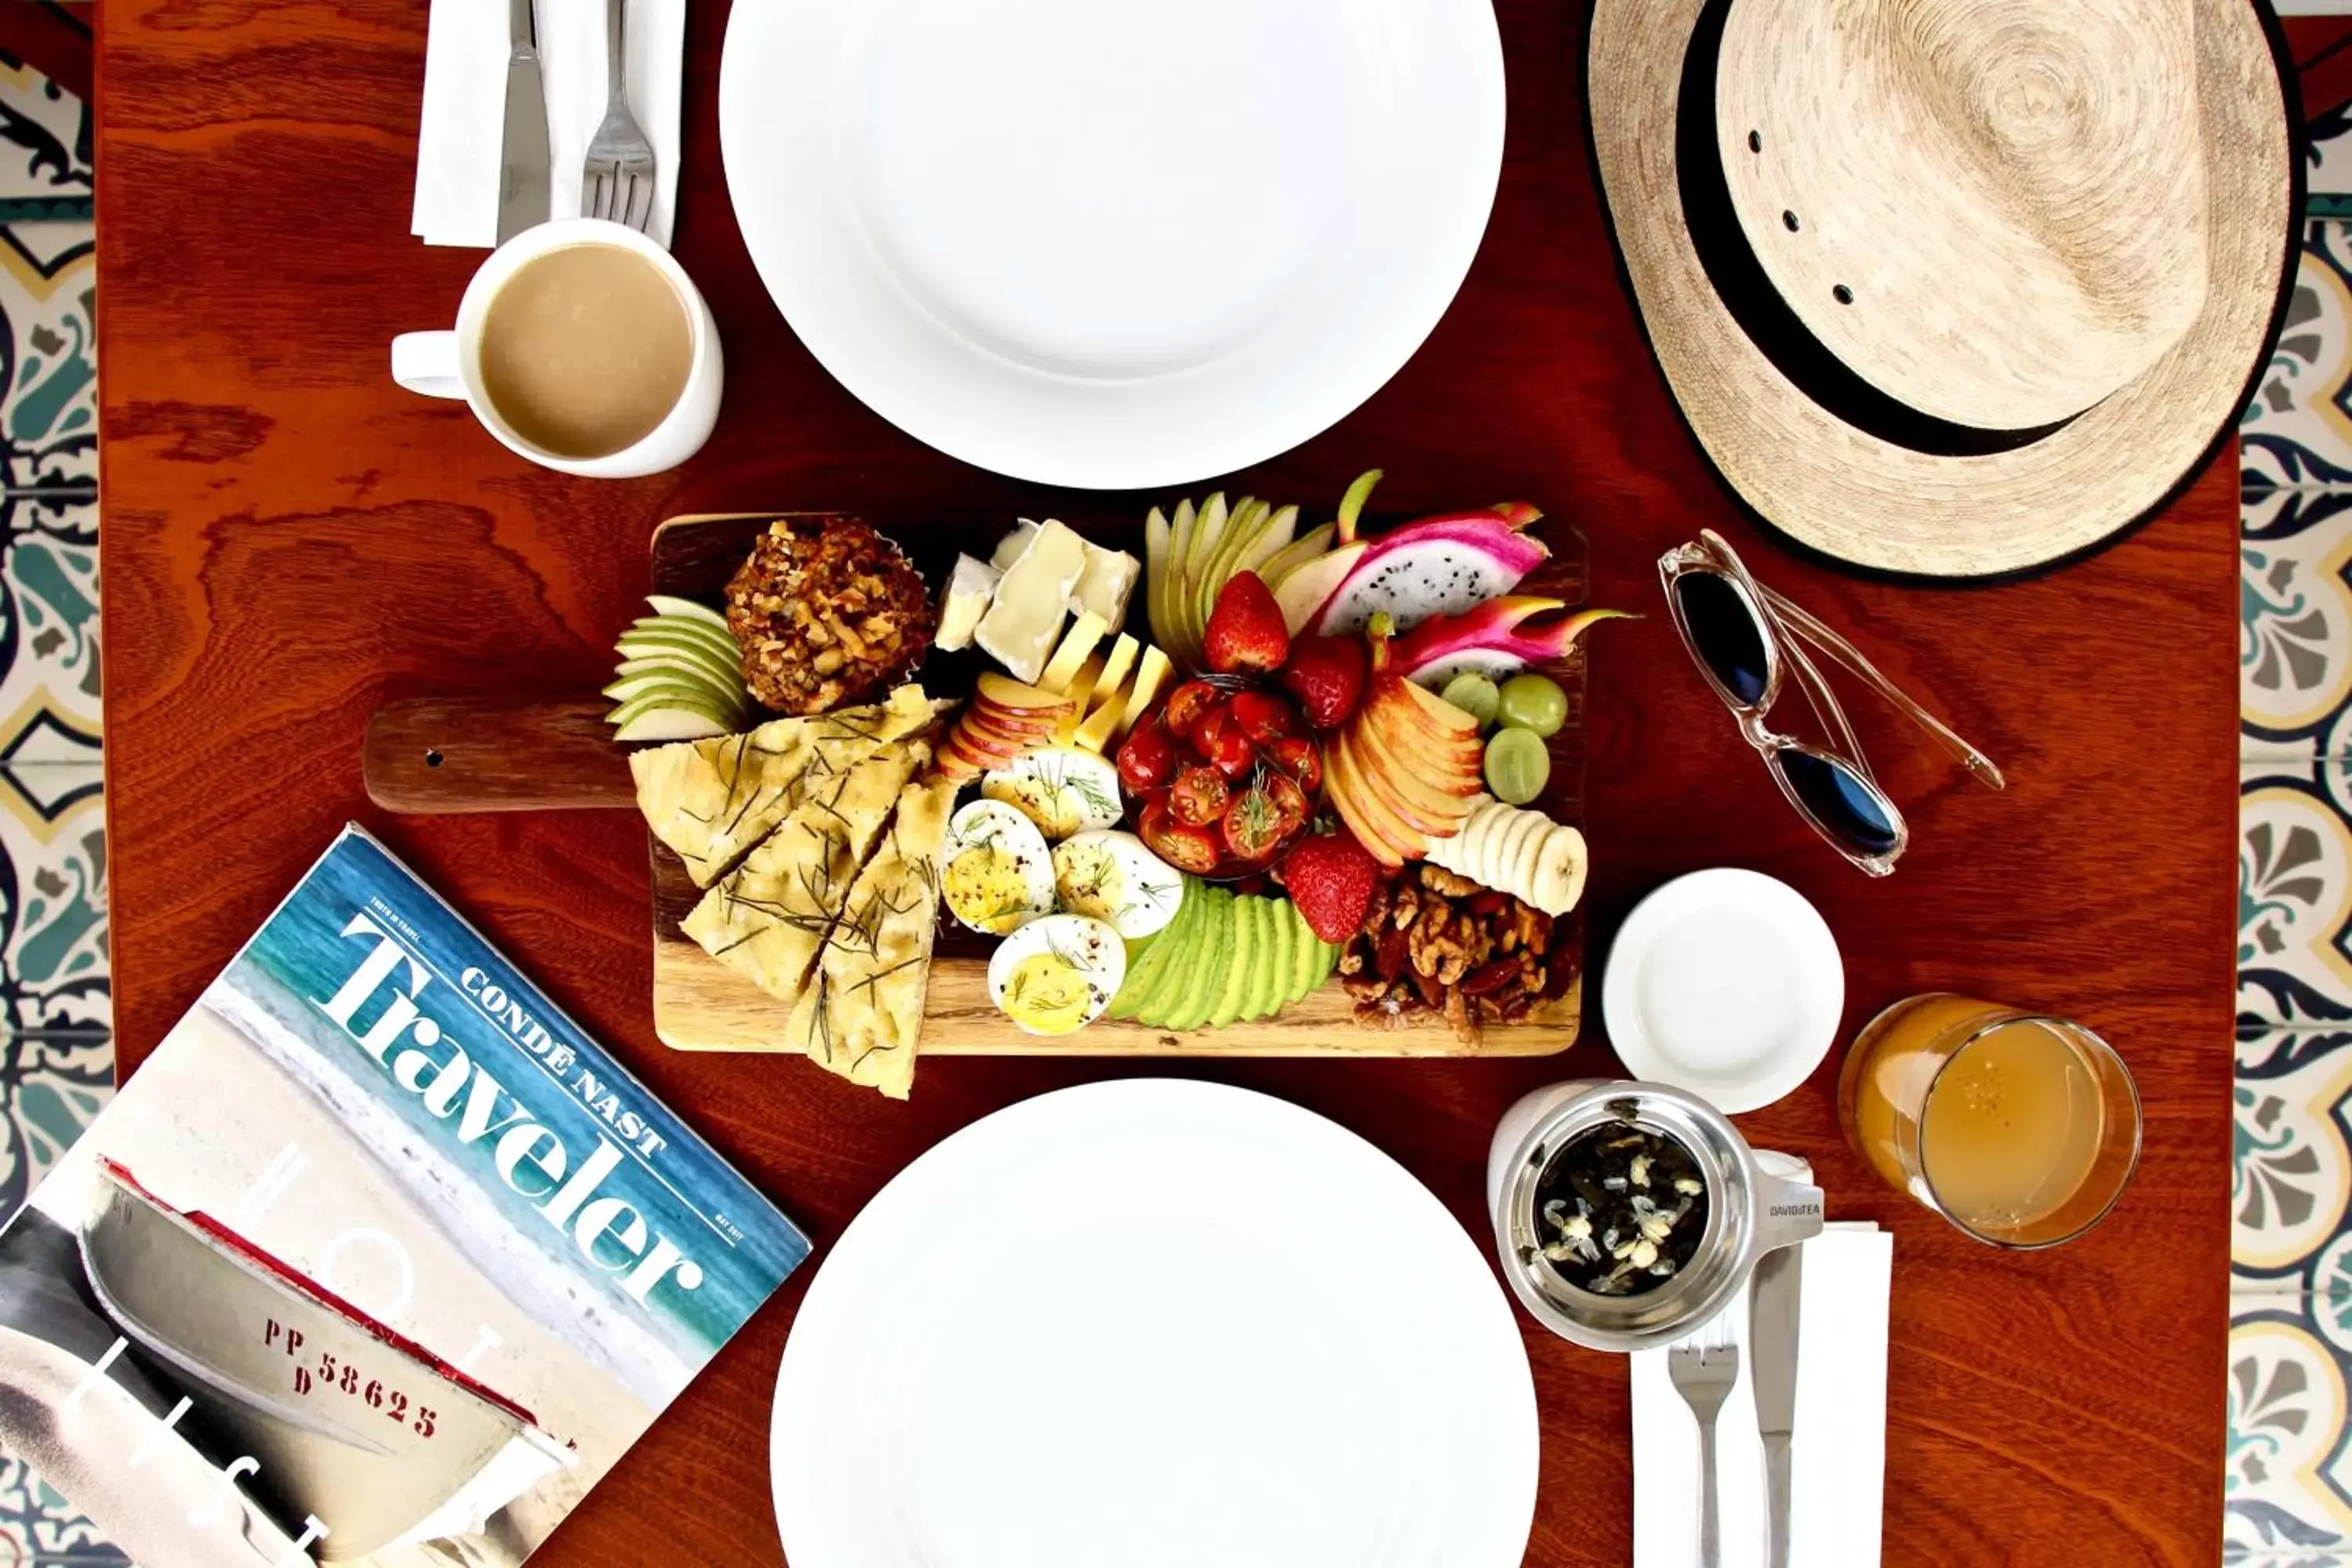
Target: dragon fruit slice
1493 640
1439 566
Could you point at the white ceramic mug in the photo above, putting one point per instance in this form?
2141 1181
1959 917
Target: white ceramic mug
450 363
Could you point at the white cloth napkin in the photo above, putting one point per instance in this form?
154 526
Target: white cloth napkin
1838 1457
463 127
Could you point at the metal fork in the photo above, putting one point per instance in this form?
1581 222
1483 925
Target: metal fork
617 181
1704 1367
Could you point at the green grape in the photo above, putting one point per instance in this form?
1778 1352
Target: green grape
1532 702
1518 765
1475 695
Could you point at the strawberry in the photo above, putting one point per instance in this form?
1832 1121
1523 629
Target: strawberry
1326 675
1331 879
1246 630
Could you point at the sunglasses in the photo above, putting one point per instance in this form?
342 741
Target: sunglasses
1746 639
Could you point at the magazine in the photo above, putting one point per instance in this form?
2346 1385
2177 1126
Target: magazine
377 1259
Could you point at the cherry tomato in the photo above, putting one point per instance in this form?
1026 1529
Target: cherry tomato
1187 706
1289 802
1199 796
1296 756
1232 754
1147 760
1264 717
1186 847
1252 827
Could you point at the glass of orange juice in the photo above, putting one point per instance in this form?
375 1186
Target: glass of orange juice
2020 1129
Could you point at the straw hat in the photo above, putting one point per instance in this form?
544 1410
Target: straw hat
1949 286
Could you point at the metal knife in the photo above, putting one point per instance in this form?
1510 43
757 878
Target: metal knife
1772 1347
524 165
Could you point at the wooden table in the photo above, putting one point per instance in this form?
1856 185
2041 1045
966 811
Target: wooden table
290 542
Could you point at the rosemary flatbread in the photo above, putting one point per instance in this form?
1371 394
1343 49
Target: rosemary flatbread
712 800
865 1013
768 918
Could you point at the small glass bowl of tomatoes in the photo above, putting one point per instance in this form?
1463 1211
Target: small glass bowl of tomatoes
1223 779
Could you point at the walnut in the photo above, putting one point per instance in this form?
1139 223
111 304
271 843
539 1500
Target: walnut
1376 913
1406 906
1443 947
1438 880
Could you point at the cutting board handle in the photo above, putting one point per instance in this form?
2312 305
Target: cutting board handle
438 755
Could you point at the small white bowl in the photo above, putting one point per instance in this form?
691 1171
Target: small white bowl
1727 984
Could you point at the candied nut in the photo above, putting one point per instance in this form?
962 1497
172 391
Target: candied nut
1491 976
1389 953
1377 912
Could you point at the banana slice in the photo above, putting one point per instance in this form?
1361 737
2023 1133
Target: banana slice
1559 871
1517 866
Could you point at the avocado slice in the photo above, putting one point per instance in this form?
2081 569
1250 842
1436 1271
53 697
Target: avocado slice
1196 981
1257 982
1280 959
1306 956
1235 974
1134 995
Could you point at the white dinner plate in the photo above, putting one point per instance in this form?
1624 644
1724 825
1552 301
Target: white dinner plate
1112 243
1155 1324
1727 984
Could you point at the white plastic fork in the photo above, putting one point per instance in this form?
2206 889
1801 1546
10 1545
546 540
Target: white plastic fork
617 180
1704 1367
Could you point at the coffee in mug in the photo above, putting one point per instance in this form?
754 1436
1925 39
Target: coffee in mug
581 345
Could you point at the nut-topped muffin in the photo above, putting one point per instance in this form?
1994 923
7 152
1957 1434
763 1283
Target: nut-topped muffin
827 612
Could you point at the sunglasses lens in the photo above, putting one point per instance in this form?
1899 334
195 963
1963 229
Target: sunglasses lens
1839 801
1724 633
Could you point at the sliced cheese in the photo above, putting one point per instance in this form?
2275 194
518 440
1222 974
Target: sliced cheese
1081 695
1100 725
1076 646
1107 584
1150 675
1021 626
1115 669
1009 548
970 593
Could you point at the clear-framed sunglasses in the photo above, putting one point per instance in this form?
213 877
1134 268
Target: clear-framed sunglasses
1746 639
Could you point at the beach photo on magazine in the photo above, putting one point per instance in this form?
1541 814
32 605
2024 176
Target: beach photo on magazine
377 1259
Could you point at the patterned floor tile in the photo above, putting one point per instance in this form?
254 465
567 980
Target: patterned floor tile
2294 638
2294 895
2287 1491
53 959
39 1528
2297 430
49 697
48 412
45 148
2327 165
2290 1197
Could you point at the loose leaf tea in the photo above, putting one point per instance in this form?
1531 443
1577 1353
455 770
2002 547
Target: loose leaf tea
1620 1210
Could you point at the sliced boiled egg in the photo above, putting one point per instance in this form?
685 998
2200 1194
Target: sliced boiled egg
996 874
1114 878
1056 974
1062 789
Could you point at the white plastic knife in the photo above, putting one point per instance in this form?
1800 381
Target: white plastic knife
524 163
1772 1307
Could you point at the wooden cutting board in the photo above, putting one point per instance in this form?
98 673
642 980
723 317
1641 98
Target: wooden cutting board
430 755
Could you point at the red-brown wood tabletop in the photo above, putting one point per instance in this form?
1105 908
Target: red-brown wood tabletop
291 541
